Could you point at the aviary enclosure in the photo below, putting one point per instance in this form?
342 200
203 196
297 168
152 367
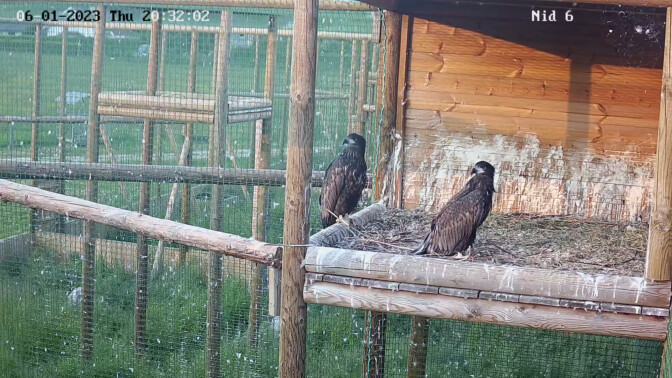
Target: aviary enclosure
166 159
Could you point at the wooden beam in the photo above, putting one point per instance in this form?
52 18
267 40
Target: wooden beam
487 277
142 275
659 251
61 111
389 90
363 89
417 350
483 311
35 129
160 229
140 173
260 208
352 98
92 151
297 193
188 133
275 4
400 122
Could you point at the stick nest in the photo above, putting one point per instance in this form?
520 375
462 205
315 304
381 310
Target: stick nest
548 242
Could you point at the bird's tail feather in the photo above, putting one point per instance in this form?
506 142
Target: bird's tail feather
422 249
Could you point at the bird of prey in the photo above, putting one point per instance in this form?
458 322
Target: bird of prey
344 180
454 228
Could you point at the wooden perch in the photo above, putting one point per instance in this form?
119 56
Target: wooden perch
486 277
328 236
157 267
485 311
140 173
161 229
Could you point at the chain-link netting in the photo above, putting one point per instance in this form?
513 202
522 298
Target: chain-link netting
193 105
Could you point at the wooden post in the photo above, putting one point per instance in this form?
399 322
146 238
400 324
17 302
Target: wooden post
158 150
217 158
61 112
398 154
142 276
659 251
387 96
262 161
297 194
288 62
188 132
35 131
417 350
340 67
363 86
257 71
352 100
89 229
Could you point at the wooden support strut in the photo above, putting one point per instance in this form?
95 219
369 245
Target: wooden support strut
89 229
61 112
659 251
297 194
262 161
217 158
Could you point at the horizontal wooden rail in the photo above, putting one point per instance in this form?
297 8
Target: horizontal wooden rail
66 119
486 311
274 4
140 173
161 229
195 28
480 276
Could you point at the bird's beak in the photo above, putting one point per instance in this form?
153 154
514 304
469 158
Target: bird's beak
473 171
345 142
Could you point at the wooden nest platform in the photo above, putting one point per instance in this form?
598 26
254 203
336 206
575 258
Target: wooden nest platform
181 107
556 273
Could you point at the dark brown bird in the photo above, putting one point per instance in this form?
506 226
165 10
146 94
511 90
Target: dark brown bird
344 180
454 228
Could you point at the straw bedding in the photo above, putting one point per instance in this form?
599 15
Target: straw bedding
549 242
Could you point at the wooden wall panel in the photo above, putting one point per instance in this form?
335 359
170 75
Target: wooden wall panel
569 124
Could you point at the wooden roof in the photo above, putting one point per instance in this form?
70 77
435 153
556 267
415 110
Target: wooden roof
408 6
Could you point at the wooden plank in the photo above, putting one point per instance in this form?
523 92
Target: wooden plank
602 74
479 276
446 101
631 95
462 293
155 228
297 194
490 312
659 248
92 152
417 350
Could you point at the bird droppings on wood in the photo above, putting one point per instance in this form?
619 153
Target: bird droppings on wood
548 242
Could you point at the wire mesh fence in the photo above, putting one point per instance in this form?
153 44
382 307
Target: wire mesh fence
191 114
